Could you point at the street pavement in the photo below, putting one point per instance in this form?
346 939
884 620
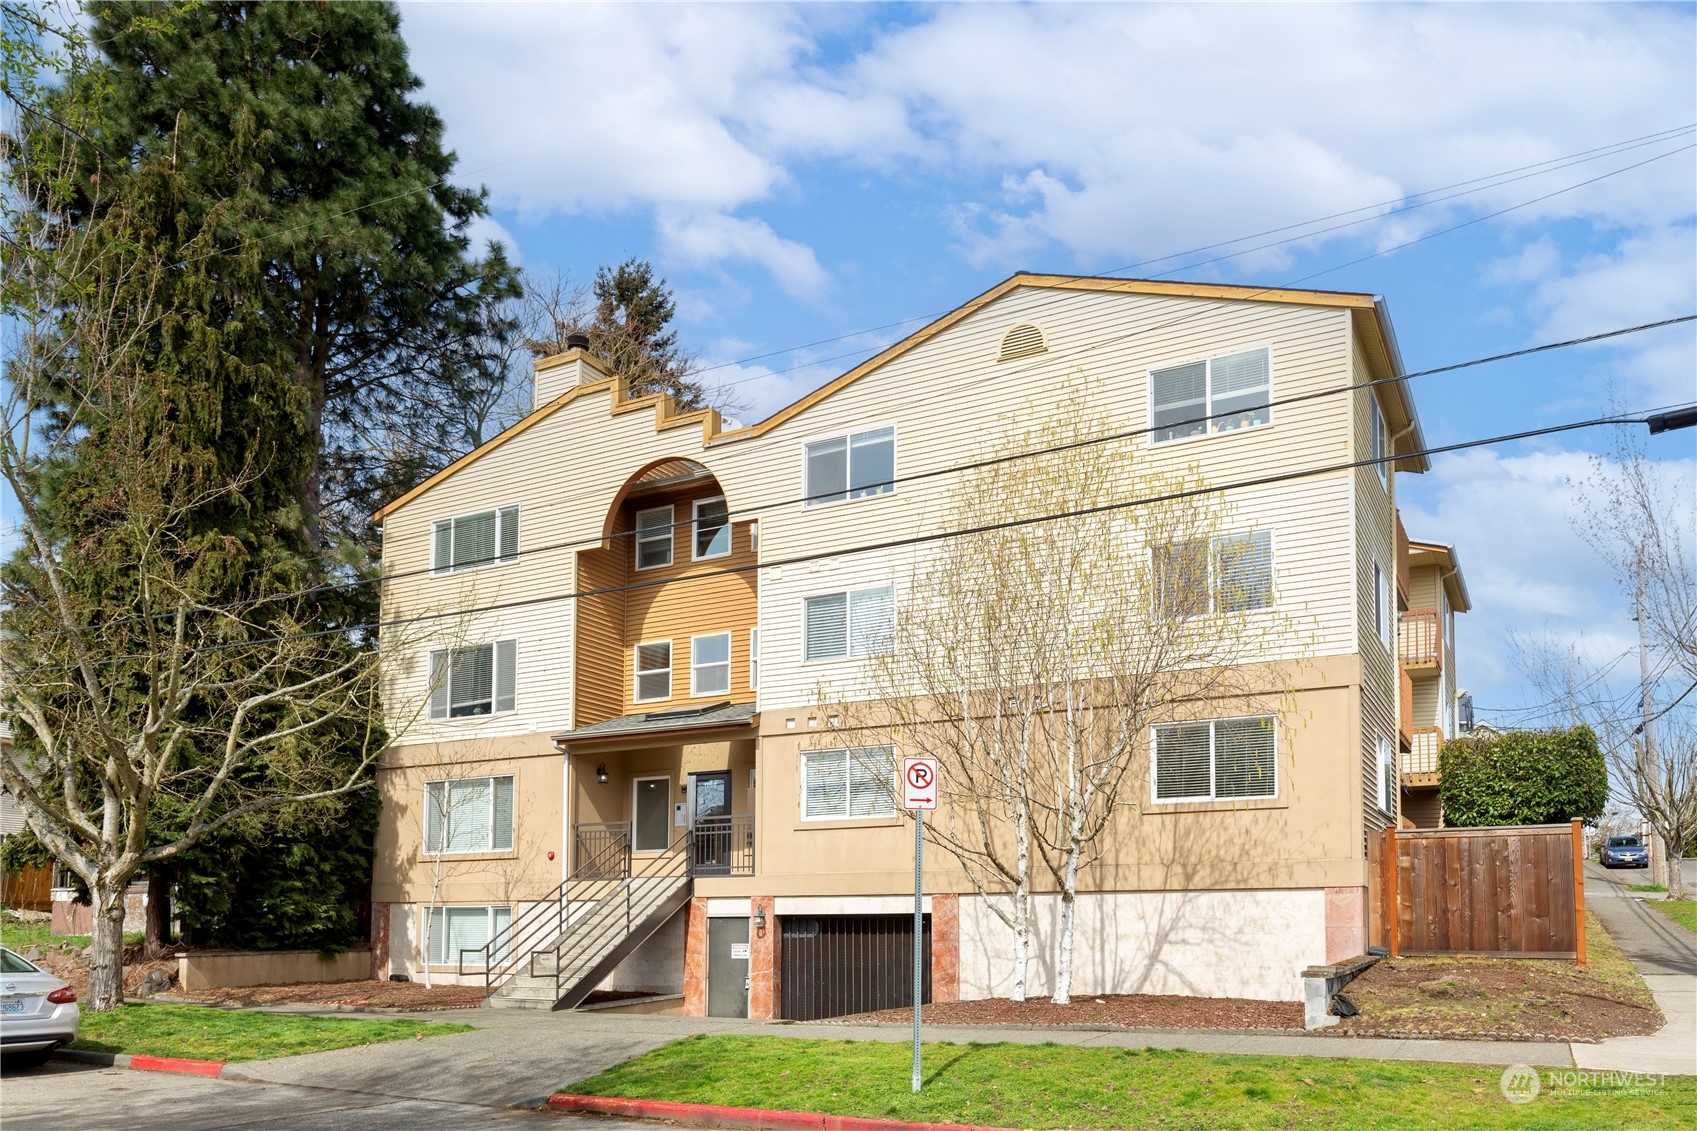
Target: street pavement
1666 955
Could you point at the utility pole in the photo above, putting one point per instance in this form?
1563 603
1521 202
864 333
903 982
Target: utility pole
1647 707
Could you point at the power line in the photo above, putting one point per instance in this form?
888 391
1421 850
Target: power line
1554 164
953 469
894 543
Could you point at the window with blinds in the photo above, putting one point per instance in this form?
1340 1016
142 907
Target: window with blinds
469 815
1222 394
849 625
456 929
472 540
711 529
653 668
843 784
478 680
850 467
1230 574
1216 759
710 664
654 538
1387 776
1378 435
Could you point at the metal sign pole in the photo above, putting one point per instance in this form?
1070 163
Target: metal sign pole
918 929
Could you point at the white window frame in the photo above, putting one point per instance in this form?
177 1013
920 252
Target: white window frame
849 495
847 595
1208 425
754 537
1385 753
1213 764
1384 617
1213 582
499 651
446 804
504 515
848 781
695 691
754 659
639 538
695 531
1378 436
637 672
436 938
635 785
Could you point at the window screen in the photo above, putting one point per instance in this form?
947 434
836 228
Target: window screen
858 782
712 529
850 467
654 671
1221 394
469 815
1233 573
849 625
710 664
654 538
456 929
475 680
474 539
1222 758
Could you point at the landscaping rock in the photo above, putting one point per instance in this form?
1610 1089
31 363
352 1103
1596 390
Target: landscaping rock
157 980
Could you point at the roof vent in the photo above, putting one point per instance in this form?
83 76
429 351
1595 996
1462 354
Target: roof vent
1023 340
577 341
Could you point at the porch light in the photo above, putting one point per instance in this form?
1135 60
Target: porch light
760 920
601 773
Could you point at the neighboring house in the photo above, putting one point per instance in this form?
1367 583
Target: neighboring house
611 699
1435 593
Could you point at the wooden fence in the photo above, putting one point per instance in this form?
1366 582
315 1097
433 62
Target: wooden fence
1512 892
28 889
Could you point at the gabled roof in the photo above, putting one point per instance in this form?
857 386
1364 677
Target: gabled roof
1449 566
1368 315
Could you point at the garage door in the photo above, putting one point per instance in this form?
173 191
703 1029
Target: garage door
834 965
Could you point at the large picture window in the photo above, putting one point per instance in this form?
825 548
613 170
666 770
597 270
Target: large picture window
469 815
1222 394
1229 574
474 539
1216 759
478 680
851 467
849 625
453 929
839 784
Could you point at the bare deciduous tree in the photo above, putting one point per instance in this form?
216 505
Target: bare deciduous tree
1032 658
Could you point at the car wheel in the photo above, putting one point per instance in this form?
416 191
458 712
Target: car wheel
33 1059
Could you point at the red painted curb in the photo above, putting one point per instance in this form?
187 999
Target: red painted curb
177 1064
740 1118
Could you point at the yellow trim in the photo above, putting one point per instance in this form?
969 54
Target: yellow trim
1365 315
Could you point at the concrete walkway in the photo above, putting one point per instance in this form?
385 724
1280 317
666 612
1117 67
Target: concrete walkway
1666 955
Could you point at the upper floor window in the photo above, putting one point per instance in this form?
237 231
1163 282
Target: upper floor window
1383 620
654 538
851 467
1229 574
653 671
1387 776
859 782
469 815
1221 394
850 625
712 529
474 539
478 680
1218 759
754 657
710 664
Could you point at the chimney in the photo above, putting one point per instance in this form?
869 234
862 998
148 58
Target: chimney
563 372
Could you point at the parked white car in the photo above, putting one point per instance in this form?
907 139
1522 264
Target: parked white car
38 1011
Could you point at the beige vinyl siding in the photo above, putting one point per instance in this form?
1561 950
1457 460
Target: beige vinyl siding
1427 696
600 642
1375 540
1423 587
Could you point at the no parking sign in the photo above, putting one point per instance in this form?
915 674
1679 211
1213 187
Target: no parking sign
919 783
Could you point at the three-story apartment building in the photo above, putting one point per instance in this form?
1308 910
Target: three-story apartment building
611 766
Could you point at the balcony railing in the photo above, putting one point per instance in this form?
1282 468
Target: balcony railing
723 846
1420 639
1405 716
1422 760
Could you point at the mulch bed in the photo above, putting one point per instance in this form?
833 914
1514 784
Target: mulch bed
1132 1011
1492 997
366 993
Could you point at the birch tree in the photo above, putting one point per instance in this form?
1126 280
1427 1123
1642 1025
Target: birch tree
1032 654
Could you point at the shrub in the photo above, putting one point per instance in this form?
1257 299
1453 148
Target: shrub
1525 777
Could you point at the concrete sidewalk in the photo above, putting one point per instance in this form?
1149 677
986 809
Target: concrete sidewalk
1666 955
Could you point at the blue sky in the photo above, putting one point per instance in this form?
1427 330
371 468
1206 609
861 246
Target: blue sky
808 173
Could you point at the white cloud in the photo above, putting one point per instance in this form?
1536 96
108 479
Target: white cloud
704 239
485 230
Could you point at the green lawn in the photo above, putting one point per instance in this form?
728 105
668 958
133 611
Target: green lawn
203 1033
1053 1086
18 935
1646 887
1681 911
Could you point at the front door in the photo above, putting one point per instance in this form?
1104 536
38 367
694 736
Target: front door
727 967
711 821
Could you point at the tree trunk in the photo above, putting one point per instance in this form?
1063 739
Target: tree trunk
158 911
1069 908
1021 941
106 963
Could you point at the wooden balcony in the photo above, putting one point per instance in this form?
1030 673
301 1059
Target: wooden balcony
1420 762
1420 640
1405 715
1402 565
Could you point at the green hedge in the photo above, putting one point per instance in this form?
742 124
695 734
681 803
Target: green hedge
1524 777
